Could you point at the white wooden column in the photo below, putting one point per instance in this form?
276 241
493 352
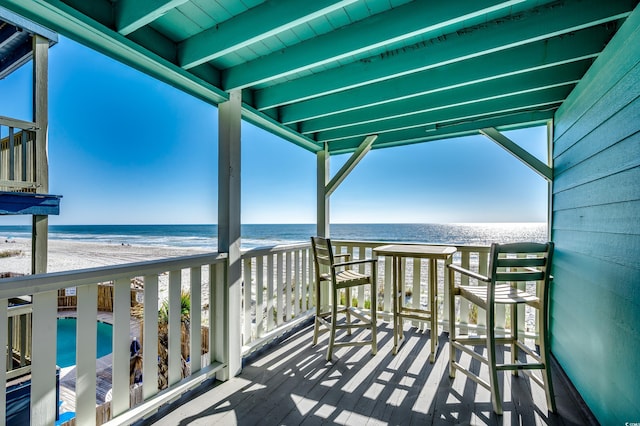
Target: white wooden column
322 202
229 124
43 363
40 117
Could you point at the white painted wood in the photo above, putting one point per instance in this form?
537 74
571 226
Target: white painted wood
304 280
260 305
296 283
43 363
279 288
86 354
288 284
220 340
121 342
464 305
150 341
247 284
196 320
175 332
229 219
270 294
388 283
3 365
483 269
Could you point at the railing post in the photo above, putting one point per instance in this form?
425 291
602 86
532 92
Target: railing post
229 220
43 367
86 354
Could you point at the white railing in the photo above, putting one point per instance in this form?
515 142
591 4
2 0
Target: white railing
278 295
202 276
278 284
17 155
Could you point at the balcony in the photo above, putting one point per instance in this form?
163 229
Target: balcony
284 379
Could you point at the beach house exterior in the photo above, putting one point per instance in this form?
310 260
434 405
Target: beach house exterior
336 77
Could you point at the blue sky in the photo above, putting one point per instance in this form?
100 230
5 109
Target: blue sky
126 149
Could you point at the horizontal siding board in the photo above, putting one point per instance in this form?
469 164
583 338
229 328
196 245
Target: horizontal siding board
620 55
617 218
624 93
617 188
607 335
620 249
617 158
584 276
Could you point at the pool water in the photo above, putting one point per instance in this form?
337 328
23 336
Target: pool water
66 348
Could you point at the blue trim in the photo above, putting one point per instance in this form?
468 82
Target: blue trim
27 203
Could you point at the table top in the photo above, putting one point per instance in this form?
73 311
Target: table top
415 250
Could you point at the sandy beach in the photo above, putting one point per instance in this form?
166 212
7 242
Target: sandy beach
64 255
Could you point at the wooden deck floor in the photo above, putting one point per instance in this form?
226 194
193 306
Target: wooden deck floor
292 384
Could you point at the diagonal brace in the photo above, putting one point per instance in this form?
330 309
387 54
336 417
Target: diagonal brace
351 163
518 152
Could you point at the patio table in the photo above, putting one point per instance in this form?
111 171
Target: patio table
400 312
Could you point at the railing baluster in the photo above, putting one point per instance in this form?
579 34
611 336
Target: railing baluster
259 296
416 293
279 288
296 283
270 294
195 351
175 328
304 281
247 275
86 354
150 341
287 282
120 355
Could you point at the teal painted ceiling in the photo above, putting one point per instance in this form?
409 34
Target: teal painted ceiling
335 72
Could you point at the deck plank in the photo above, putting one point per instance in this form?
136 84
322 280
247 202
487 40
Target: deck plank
293 384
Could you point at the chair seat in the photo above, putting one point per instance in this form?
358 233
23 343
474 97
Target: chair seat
504 294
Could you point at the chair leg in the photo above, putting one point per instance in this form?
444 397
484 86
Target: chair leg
545 357
374 317
334 321
452 325
316 326
491 358
514 337
347 304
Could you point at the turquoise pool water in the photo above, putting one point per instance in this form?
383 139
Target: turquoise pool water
66 349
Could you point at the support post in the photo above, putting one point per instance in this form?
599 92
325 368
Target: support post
40 117
550 182
229 124
322 199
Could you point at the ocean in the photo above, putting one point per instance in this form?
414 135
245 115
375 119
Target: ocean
204 236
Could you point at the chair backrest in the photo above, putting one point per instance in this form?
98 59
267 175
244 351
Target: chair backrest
517 262
322 255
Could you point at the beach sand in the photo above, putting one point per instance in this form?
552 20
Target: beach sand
64 255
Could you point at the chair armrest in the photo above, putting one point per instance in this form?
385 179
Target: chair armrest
468 273
355 262
338 256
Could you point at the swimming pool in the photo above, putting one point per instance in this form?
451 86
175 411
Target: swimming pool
66 348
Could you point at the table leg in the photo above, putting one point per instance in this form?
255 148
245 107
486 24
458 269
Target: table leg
433 297
395 305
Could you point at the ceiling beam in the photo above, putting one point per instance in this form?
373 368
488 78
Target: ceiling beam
517 151
131 15
252 26
527 27
549 98
510 85
404 22
418 135
351 163
581 45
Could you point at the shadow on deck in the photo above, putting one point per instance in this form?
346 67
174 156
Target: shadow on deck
292 384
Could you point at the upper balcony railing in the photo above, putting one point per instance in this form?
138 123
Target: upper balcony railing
277 295
17 155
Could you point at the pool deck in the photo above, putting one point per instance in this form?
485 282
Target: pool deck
103 366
